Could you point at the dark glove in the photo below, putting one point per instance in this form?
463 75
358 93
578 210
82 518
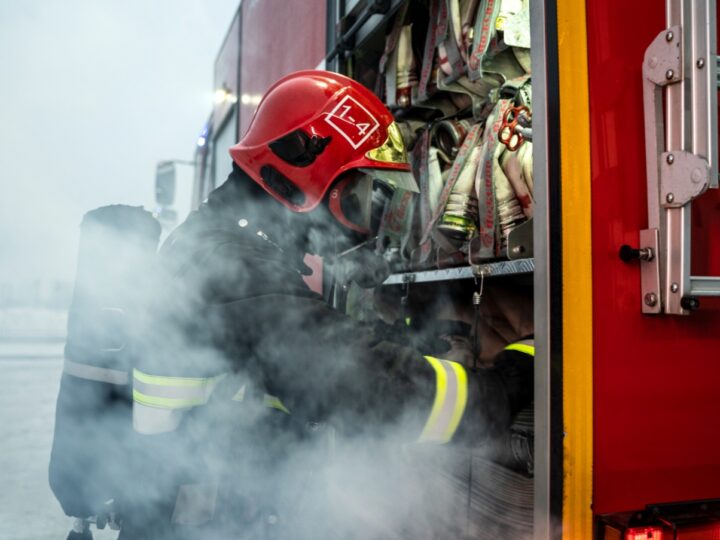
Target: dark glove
497 394
85 535
517 372
80 530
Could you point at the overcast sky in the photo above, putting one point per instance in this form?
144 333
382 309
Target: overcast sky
92 94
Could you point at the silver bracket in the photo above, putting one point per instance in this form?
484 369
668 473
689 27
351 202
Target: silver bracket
663 59
650 273
683 177
520 241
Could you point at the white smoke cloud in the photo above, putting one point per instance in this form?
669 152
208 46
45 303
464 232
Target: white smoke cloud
92 95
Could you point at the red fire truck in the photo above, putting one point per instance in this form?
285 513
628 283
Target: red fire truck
624 148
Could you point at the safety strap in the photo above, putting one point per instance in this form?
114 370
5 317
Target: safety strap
395 229
424 90
467 146
485 185
508 208
469 14
526 162
95 373
461 206
450 401
513 170
477 91
159 402
427 170
388 78
405 72
526 346
449 55
512 194
482 36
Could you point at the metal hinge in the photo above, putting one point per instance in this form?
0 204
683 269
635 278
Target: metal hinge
680 105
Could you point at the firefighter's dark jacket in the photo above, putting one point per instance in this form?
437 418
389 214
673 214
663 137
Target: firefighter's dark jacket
232 299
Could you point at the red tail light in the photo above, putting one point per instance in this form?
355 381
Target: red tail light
690 520
707 531
646 533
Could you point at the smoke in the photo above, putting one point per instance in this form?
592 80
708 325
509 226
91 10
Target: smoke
94 94
337 458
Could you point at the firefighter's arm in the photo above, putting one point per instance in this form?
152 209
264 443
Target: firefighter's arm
472 405
326 367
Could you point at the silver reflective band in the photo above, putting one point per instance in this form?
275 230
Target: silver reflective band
450 401
177 396
153 420
95 373
159 402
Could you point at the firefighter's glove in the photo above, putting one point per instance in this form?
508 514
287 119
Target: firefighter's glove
80 530
497 394
517 374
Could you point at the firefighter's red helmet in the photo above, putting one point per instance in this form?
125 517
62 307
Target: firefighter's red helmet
312 126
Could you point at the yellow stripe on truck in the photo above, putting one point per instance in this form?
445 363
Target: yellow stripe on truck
576 212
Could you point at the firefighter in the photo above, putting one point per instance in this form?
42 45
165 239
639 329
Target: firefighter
236 322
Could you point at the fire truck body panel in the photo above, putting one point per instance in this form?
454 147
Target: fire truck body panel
655 378
277 38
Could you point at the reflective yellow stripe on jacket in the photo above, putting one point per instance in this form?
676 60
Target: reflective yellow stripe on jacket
159 402
450 401
526 346
272 402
